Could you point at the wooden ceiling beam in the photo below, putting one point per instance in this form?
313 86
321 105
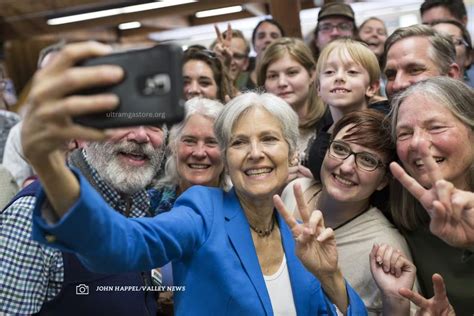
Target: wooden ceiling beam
257 9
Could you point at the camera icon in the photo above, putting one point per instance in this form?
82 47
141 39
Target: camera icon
82 289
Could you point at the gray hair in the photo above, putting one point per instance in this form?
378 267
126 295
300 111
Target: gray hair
241 104
459 99
205 107
442 51
453 94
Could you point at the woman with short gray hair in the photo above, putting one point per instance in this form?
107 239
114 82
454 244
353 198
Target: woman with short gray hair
271 103
194 156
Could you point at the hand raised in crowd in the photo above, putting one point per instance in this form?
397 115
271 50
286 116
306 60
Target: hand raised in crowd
315 244
451 210
48 125
437 305
391 271
315 247
223 48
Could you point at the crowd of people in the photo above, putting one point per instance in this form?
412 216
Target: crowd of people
322 178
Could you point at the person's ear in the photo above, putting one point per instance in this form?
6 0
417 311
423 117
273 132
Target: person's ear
384 182
454 71
372 89
468 61
246 64
312 75
318 88
224 161
293 159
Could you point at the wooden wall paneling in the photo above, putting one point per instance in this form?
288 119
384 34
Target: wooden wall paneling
287 13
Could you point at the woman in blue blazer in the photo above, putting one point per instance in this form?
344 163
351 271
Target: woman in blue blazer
232 253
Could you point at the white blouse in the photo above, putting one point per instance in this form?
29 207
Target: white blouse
279 289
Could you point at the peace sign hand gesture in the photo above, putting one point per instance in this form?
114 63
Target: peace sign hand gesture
437 305
316 247
315 244
223 48
451 210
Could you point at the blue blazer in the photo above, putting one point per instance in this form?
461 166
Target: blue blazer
208 239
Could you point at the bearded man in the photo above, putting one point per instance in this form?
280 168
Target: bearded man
37 279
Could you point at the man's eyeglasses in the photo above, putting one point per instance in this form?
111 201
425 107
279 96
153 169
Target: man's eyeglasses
459 41
342 27
364 160
238 56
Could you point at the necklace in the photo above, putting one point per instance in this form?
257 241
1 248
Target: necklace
264 232
346 221
352 218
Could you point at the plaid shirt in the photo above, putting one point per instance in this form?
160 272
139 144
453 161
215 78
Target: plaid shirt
30 273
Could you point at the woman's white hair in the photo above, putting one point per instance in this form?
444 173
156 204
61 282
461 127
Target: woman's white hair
205 107
246 101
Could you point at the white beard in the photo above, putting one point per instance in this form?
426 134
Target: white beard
125 178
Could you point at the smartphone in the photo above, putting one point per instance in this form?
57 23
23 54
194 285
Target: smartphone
150 93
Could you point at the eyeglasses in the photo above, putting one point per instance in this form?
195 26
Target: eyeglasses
239 56
342 27
459 41
364 160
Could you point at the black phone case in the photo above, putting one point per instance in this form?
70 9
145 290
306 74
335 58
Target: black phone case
150 93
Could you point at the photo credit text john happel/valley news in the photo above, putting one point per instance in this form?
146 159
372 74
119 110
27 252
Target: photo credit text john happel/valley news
83 289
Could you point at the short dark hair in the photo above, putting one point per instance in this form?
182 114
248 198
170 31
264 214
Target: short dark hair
271 21
371 129
455 7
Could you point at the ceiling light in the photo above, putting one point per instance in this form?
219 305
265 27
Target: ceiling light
221 11
117 11
129 25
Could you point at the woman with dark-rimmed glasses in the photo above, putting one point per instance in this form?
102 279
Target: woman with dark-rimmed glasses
354 168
